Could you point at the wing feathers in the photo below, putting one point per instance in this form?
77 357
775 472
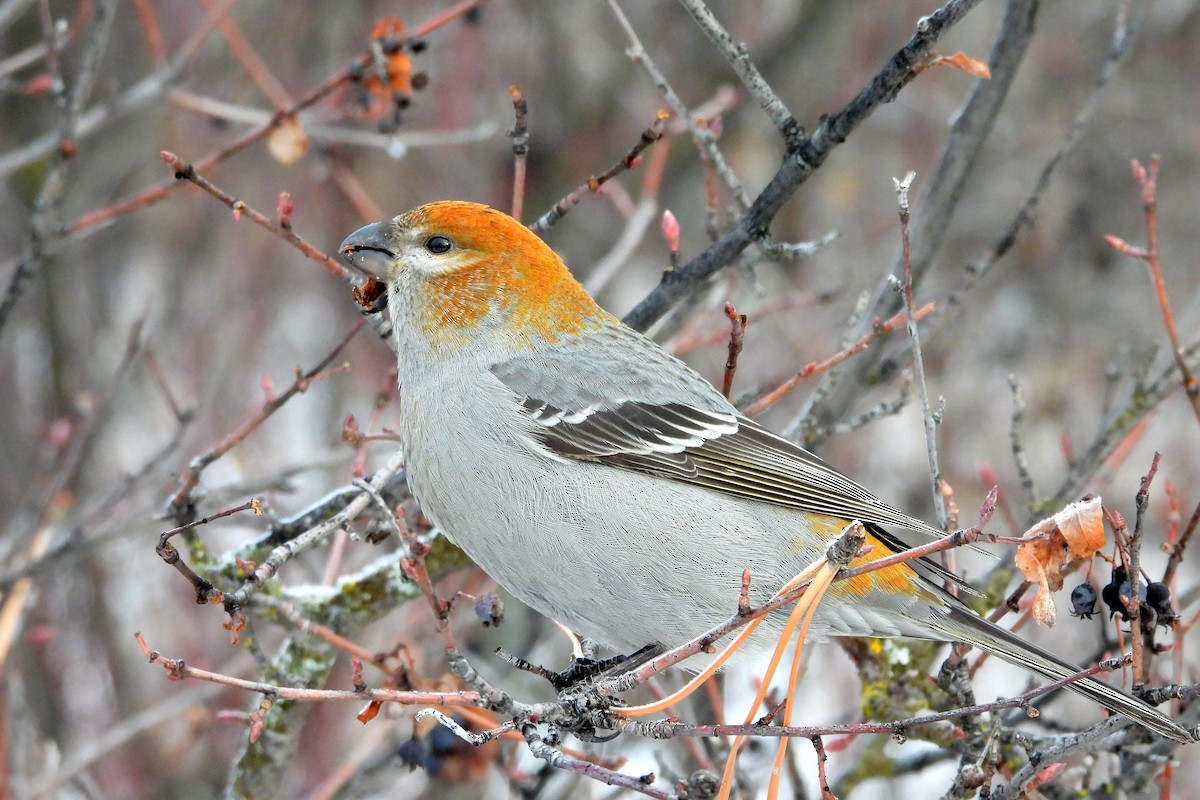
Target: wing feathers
725 452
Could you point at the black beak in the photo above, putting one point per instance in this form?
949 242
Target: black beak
366 250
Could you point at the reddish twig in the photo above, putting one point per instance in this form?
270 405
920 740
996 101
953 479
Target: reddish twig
1120 452
185 171
252 64
712 214
822 780
1121 540
737 332
354 191
190 476
1147 180
817 367
156 372
956 539
655 168
178 670
1180 546
249 505
702 332
150 29
989 479
302 623
205 591
383 397
150 196
629 161
520 147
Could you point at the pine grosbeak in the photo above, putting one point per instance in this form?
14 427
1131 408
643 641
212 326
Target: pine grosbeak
607 484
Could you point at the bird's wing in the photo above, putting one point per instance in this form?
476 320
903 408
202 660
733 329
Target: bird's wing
725 452
647 411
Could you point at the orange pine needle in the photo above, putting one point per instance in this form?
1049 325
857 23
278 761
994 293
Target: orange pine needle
802 612
707 672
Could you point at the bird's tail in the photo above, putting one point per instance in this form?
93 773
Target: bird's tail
963 625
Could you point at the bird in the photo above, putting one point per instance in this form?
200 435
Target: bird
608 485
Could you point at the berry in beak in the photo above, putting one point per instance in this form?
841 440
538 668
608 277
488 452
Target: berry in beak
367 251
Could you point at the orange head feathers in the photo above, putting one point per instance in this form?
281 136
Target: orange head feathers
459 264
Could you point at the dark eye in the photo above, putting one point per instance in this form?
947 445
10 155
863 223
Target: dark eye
437 244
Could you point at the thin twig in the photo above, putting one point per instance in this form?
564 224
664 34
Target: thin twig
594 182
1147 179
177 669
1020 457
818 367
184 171
520 148
160 82
252 64
1180 546
151 30
932 223
631 236
1123 426
108 111
555 757
668 729
1141 661
1125 29
884 408
309 538
735 53
737 333
45 223
190 477
930 417
702 134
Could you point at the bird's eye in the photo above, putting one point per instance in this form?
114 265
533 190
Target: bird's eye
437 244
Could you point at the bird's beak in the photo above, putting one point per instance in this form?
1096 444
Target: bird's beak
367 250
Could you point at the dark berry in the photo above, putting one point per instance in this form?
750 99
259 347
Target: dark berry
1083 601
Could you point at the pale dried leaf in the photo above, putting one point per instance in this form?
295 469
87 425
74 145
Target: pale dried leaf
1035 572
288 143
1082 525
1044 612
1042 559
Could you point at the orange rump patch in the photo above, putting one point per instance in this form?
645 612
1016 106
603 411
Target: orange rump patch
899 579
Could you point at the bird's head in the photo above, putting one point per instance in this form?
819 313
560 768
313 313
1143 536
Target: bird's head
457 271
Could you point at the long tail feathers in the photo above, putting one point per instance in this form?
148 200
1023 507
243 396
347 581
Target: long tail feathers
963 625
